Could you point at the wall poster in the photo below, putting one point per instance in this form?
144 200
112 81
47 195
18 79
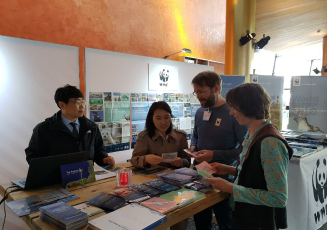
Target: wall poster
308 107
274 85
229 82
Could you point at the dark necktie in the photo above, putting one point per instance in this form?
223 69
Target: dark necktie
75 132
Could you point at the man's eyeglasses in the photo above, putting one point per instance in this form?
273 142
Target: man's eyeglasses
200 92
78 103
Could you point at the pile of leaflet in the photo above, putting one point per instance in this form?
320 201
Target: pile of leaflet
175 178
63 216
189 172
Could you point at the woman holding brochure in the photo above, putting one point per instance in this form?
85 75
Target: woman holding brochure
160 144
259 192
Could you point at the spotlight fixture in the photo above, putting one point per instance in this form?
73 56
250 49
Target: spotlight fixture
316 70
184 50
247 38
262 43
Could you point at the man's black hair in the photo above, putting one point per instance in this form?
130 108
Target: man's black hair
66 93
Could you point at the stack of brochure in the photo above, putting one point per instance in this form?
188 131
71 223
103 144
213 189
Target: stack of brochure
107 201
163 186
302 152
160 205
188 171
305 145
146 189
175 178
63 216
32 204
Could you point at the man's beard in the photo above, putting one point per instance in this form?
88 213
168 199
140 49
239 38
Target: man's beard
210 101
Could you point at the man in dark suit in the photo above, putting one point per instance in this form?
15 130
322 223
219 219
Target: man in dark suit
68 131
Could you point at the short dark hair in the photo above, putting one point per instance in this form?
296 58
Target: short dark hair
149 119
250 99
208 78
67 92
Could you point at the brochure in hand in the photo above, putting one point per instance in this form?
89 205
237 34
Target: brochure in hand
32 204
63 216
189 152
205 169
77 174
169 157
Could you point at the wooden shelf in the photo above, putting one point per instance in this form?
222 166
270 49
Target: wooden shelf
195 60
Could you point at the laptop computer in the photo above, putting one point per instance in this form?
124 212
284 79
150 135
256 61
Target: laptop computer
45 171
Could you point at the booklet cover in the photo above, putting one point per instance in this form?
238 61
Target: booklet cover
32 204
205 169
77 174
159 184
88 209
101 173
130 217
160 205
181 194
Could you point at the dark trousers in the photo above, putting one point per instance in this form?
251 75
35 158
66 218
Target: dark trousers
235 226
223 215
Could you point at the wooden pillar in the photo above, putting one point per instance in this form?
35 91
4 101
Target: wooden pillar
81 63
324 58
240 17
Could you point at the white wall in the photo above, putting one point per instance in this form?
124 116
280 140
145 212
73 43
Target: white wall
108 71
30 72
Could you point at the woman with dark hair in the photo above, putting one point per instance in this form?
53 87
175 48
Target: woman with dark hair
158 138
259 192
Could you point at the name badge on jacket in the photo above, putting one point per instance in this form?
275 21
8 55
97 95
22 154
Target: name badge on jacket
218 122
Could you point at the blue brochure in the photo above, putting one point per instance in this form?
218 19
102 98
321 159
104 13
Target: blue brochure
77 174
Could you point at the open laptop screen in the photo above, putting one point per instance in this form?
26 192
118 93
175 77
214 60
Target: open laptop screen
45 171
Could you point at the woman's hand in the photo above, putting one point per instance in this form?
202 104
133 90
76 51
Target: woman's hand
178 162
153 159
220 184
222 169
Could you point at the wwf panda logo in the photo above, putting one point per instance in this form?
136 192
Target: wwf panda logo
319 180
164 75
